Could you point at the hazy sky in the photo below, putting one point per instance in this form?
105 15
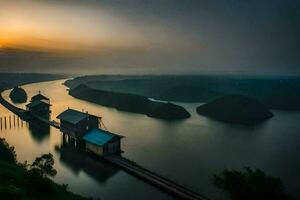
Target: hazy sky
150 36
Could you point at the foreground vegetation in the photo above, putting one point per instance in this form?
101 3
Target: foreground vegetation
24 181
250 185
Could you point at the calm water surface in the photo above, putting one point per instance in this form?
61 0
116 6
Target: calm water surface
188 152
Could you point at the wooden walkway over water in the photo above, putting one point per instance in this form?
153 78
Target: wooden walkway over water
155 179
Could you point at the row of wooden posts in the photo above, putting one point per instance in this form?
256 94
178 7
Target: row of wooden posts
12 121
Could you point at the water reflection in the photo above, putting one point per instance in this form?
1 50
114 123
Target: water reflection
39 131
76 159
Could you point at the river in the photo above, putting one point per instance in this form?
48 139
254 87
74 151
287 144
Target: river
188 151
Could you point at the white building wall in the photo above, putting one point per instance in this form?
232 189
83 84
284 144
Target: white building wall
94 148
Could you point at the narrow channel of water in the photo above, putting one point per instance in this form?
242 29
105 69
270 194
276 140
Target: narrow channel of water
188 152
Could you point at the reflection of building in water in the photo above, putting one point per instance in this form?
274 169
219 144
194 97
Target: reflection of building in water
85 129
39 106
39 131
77 160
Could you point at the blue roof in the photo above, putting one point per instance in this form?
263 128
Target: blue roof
98 137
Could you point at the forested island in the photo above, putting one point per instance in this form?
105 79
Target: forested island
276 92
18 95
130 103
236 109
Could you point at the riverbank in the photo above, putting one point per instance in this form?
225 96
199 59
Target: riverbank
130 103
276 92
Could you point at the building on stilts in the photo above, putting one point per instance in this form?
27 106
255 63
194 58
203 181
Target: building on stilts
85 129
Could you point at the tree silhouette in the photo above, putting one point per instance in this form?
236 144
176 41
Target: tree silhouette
7 152
250 185
44 165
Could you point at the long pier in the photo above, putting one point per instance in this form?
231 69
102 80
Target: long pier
131 167
154 179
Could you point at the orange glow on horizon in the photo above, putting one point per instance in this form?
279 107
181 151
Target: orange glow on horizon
53 27
48 27
28 42
21 38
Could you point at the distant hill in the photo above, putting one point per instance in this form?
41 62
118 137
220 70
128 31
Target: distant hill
130 103
276 92
236 109
18 95
10 80
188 93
